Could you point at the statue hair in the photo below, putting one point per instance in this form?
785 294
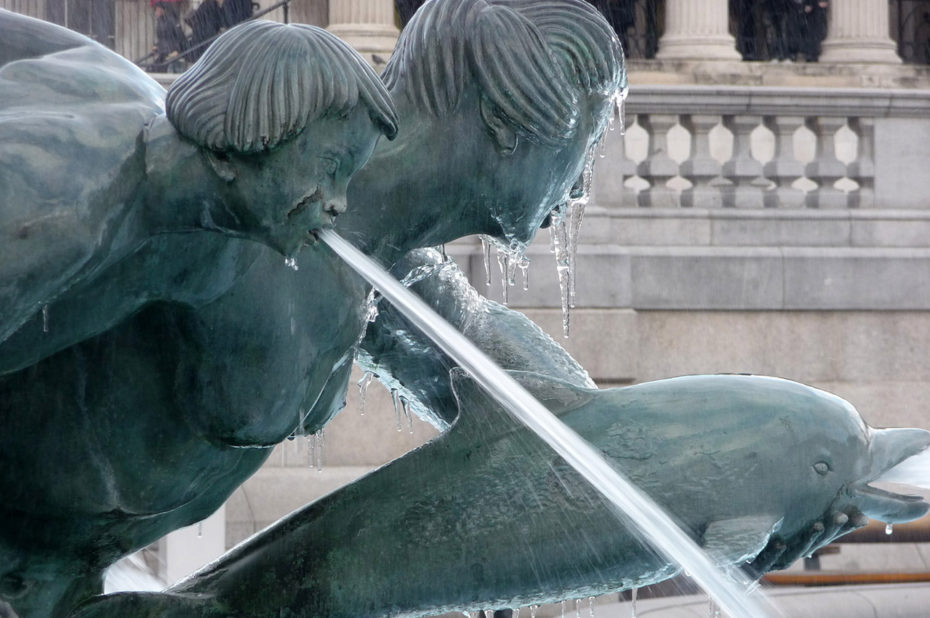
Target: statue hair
533 59
261 83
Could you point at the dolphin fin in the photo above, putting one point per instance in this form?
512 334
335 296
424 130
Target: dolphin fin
733 541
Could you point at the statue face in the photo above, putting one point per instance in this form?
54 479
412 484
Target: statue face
534 179
280 196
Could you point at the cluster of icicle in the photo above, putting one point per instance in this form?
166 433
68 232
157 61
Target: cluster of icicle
563 234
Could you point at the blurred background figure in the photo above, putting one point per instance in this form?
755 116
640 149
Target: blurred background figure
170 40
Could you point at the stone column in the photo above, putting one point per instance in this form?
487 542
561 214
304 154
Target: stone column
857 31
697 30
366 25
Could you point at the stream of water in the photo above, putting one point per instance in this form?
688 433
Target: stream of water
728 588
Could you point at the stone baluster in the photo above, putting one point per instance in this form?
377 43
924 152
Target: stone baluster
658 168
826 169
784 168
366 25
612 168
701 169
862 170
857 31
697 30
742 169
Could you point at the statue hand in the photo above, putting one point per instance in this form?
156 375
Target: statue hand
780 553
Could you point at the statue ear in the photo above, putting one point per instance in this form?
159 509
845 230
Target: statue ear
221 165
504 136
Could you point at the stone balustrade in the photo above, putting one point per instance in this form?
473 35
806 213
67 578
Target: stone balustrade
740 147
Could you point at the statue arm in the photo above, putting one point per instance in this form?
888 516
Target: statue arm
404 359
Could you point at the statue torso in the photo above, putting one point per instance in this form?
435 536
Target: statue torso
157 420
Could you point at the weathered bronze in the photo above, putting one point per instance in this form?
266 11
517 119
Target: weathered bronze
154 344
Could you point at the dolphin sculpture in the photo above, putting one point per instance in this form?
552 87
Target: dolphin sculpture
758 470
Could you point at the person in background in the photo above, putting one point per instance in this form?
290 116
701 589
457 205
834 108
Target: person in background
813 28
169 39
206 22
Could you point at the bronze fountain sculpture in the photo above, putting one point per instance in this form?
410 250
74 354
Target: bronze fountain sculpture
154 346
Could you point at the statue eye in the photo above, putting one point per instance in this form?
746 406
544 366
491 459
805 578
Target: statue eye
821 468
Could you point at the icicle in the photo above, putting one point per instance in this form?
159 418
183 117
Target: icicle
503 262
563 608
489 613
889 528
633 594
533 610
515 612
558 234
315 450
577 608
590 607
442 251
486 252
44 318
395 397
406 407
363 386
714 610
524 265
199 529
291 263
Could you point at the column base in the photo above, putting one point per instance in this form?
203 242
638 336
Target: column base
697 48
857 51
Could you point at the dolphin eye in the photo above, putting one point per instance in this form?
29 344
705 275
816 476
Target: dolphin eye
821 468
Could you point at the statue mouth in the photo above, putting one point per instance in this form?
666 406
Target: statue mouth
891 451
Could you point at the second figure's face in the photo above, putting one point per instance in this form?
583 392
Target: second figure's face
300 186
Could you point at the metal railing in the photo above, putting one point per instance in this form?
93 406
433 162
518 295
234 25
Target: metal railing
144 61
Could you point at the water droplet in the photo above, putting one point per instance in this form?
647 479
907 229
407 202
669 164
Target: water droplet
291 263
44 318
199 529
889 528
363 386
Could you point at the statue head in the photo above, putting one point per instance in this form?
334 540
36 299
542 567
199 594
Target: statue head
285 115
538 81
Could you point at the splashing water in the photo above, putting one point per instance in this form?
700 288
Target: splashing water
727 587
363 385
914 470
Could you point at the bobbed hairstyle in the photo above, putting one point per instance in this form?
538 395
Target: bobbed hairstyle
533 59
261 83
